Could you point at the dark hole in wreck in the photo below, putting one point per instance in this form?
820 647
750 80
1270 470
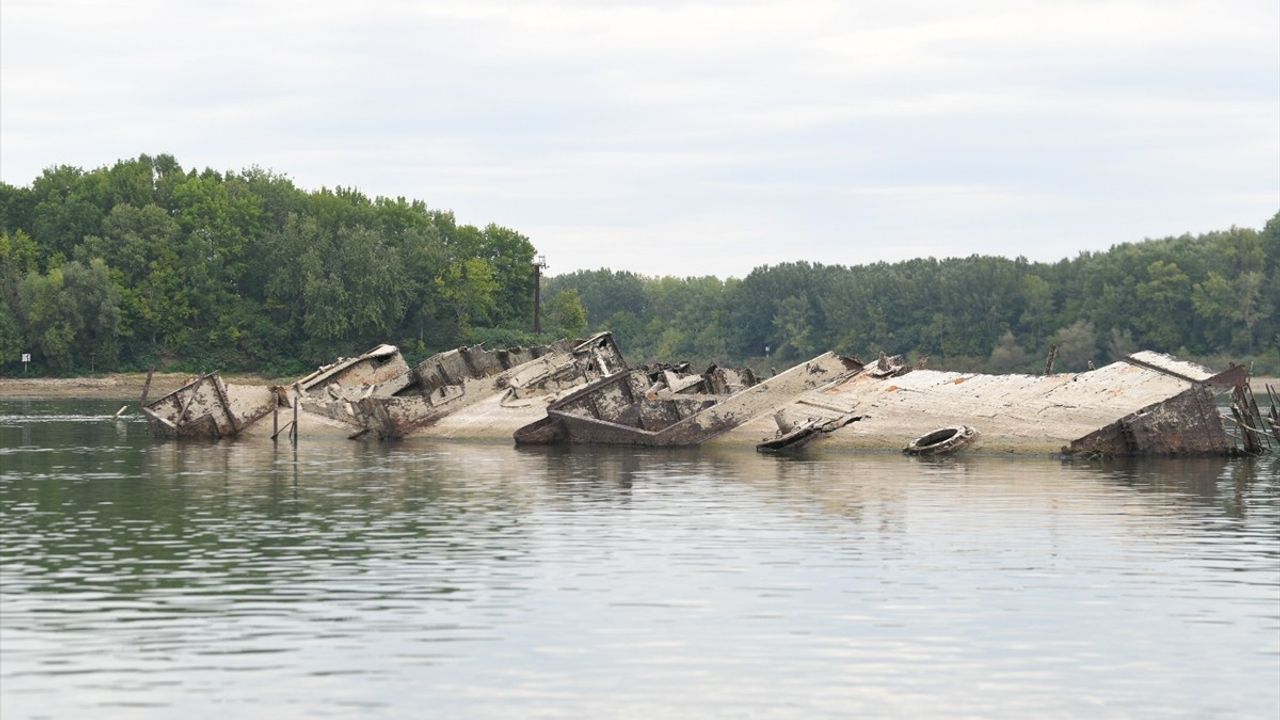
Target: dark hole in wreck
936 437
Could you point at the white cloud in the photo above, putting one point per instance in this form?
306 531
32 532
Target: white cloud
724 134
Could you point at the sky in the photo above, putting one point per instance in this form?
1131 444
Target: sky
687 138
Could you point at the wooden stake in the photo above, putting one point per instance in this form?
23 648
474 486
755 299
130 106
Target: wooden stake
1048 361
146 386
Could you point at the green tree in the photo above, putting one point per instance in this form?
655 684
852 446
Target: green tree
1037 312
566 315
1077 346
10 335
1164 311
74 316
793 329
469 289
1008 355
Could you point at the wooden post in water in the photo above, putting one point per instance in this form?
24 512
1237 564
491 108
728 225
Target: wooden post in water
275 420
146 386
293 431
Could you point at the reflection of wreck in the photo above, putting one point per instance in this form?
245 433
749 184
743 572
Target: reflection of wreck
667 408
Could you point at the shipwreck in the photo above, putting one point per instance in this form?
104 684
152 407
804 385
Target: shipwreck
449 382
208 408
377 393
585 392
1143 404
665 408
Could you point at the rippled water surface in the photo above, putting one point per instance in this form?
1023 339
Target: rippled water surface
144 579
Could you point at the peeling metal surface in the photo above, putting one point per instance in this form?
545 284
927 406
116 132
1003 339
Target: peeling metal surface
584 392
641 408
1186 424
1030 413
792 437
450 381
382 364
208 408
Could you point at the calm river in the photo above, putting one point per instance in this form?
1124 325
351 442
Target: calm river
166 580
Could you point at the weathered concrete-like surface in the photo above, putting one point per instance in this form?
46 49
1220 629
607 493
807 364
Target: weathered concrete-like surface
209 408
1013 413
383 364
450 382
626 410
1147 404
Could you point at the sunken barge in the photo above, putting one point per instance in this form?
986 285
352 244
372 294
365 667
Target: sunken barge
584 392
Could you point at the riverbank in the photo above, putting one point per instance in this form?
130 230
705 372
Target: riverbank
112 386
128 386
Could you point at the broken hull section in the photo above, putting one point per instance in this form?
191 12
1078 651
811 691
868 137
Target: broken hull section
208 408
584 392
627 410
383 367
1148 404
450 382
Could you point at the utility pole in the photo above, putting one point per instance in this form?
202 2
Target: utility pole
539 264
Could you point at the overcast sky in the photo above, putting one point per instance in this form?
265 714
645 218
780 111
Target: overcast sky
699 138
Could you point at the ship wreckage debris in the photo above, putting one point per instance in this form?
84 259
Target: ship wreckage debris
584 392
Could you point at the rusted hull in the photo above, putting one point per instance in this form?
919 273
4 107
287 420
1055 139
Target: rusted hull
1188 423
382 367
621 411
455 380
208 408
1147 404
397 417
583 392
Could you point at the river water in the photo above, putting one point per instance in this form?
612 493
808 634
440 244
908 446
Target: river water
153 579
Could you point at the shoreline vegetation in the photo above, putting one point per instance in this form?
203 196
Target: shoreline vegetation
147 264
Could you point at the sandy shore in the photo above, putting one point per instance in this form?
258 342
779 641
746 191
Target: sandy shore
114 386
128 386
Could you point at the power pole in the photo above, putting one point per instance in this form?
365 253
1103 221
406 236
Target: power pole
539 264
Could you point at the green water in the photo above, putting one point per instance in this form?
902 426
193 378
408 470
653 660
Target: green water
152 579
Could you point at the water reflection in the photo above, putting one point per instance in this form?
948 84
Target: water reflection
485 580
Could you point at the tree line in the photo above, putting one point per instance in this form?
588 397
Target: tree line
1214 296
144 263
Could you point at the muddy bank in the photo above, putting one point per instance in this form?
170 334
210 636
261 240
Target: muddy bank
114 386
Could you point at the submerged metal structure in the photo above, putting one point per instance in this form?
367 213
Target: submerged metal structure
377 392
448 382
659 409
1145 404
208 408
584 392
